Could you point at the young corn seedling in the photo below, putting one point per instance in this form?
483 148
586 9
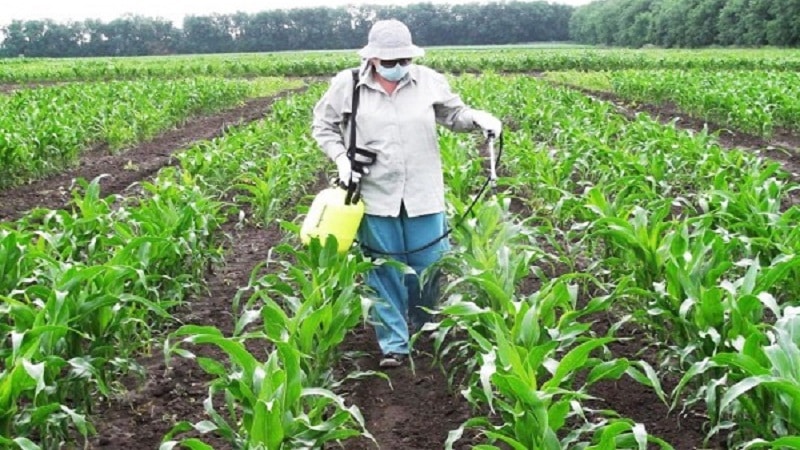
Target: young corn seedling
753 391
521 354
283 402
268 405
526 366
638 245
312 303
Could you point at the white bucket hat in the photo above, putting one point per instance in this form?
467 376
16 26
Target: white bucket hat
390 39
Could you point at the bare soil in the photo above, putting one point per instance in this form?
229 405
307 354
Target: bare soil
174 393
416 411
125 168
783 147
7 88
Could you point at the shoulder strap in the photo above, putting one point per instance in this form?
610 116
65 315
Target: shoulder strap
359 157
353 109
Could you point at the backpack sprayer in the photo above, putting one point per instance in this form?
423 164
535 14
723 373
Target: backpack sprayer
338 210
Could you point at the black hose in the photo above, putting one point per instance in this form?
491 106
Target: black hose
430 244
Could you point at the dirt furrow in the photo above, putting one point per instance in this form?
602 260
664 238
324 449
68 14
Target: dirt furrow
414 411
140 418
784 147
125 168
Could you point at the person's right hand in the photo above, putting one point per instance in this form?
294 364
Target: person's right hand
346 172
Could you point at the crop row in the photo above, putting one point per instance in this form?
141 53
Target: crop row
684 239
44 130
510 59
633 219
757 102
85 290
636 220
299 304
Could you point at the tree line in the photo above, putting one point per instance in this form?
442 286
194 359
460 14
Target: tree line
292 29
688 23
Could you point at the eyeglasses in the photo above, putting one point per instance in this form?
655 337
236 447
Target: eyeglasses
393 62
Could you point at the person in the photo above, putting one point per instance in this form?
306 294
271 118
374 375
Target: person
400 104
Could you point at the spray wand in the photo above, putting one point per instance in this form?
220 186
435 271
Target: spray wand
492 162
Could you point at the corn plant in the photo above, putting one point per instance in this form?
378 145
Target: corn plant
265 161
268 405
752 208
312 303
87 288
47 129
85 232
306 315
757 386
641 241
522 353
16 264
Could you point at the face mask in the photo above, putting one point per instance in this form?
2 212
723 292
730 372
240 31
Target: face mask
395 73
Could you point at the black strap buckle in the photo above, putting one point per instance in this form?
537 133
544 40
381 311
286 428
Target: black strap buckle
353 193
360 158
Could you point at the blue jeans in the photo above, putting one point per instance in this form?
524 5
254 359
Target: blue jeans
401 296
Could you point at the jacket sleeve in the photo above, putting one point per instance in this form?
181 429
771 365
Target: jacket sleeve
451 111
330 114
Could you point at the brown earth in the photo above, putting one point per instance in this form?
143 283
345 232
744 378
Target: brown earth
783 146
632 400
170 394
11 87
415 411
125 168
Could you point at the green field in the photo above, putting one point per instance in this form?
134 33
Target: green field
616 249
508 58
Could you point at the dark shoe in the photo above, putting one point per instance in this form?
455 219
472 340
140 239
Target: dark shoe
393 360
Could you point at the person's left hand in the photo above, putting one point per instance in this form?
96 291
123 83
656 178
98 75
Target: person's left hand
490 124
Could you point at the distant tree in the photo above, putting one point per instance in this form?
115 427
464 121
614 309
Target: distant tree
634 21
36 37
745 22
756 19
687 23
703 22
16 40
731 23
295 29
783 29
583 25
208 34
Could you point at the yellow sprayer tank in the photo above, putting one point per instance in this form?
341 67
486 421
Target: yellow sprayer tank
329 215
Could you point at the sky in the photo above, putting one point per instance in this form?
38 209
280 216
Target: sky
175 10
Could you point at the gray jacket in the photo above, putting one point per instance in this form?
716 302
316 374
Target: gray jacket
401 129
